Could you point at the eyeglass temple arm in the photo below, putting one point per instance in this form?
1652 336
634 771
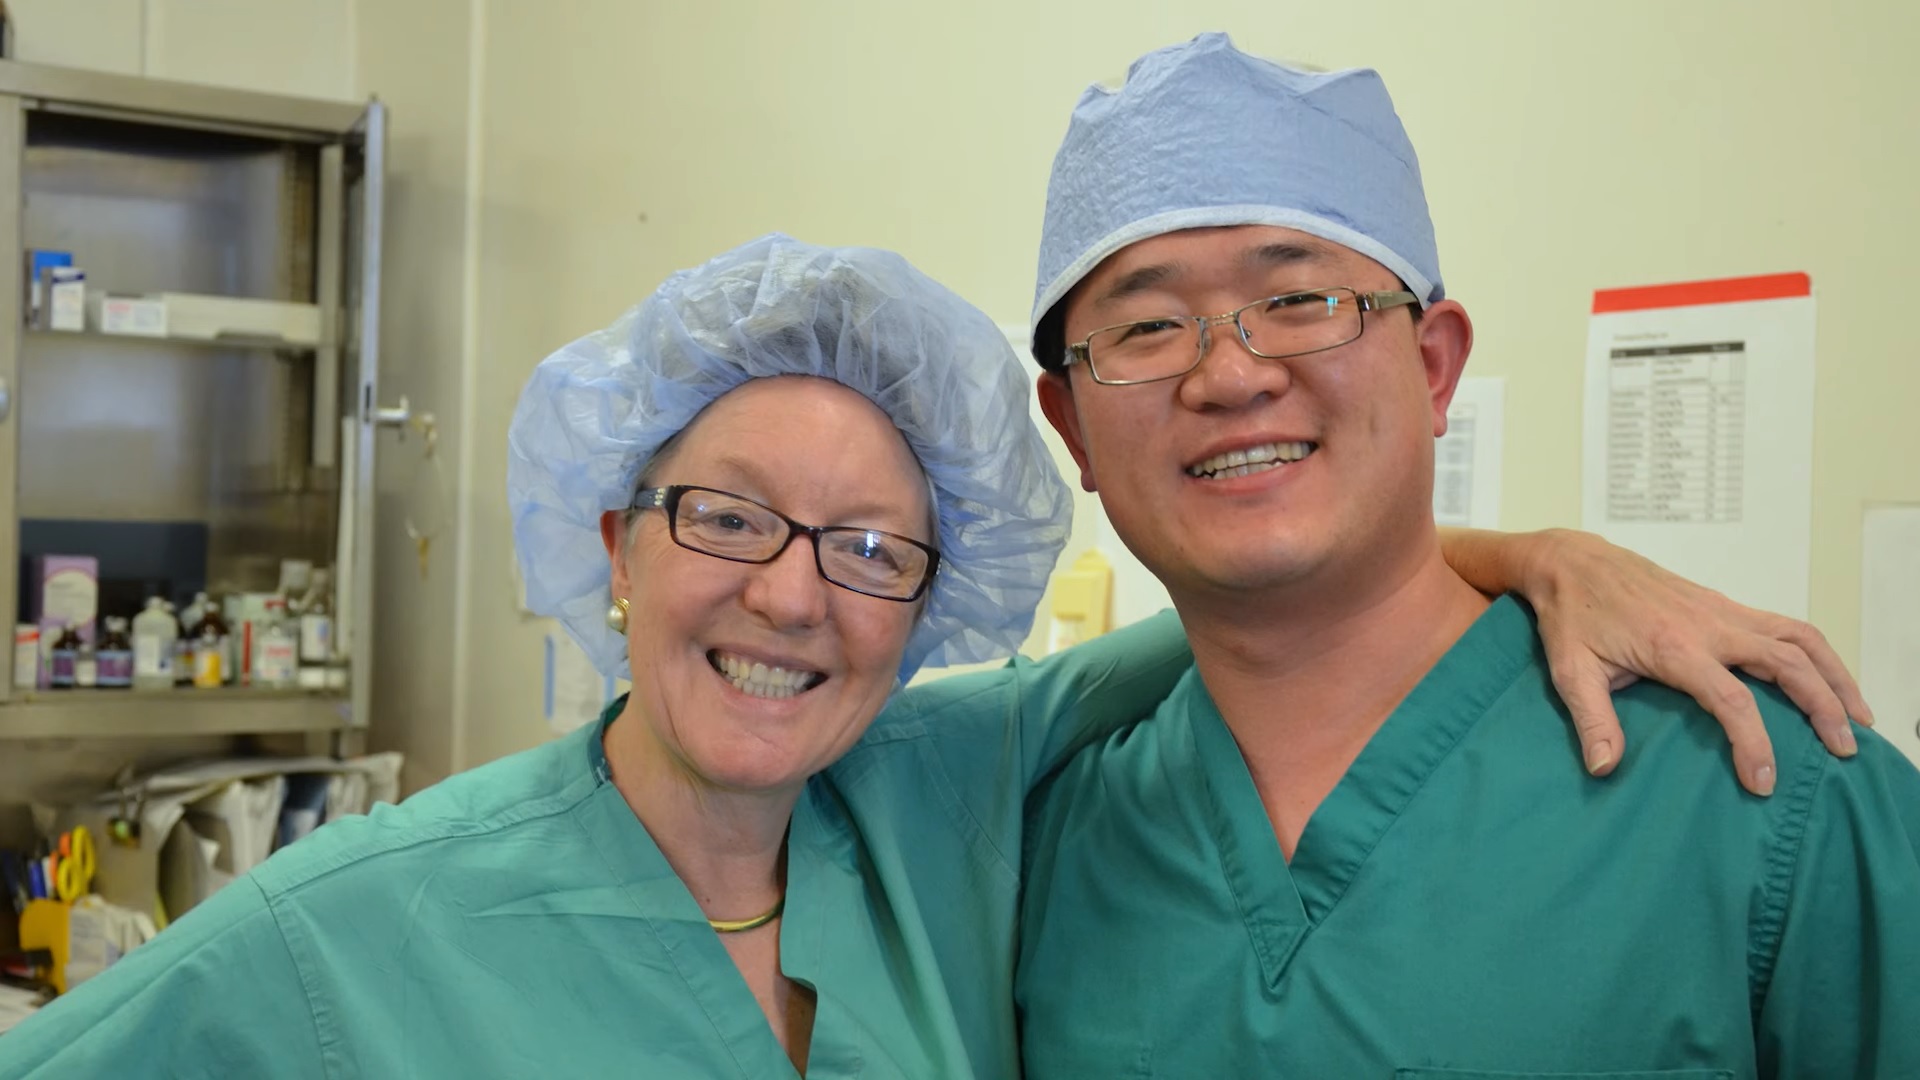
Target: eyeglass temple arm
1375 301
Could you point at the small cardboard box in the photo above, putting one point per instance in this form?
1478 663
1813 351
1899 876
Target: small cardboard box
63 591
67 306
138 316
39 262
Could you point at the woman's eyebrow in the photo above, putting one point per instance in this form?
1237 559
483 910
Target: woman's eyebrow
745 472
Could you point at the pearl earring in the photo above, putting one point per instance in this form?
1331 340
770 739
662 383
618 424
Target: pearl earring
617 615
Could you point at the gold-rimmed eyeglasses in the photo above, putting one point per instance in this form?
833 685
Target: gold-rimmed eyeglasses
1273 327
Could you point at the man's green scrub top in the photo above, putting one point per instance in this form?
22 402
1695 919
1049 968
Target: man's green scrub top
518 921
1468 903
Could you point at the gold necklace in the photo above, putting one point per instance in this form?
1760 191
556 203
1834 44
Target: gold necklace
734 926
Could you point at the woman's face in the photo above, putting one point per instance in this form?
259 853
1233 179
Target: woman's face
822 455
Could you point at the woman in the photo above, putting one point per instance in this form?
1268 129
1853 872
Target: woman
808 473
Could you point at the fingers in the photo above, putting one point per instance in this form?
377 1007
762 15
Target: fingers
1583 685
1794 671
1827 662
1721 693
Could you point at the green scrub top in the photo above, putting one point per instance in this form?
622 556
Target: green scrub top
1468 903
518 921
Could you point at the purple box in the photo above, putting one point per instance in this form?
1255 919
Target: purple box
62 591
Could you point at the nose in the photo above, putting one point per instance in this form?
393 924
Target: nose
1229 376
789 591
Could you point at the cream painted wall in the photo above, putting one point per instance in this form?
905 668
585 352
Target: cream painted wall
1566 147
550 165
302 47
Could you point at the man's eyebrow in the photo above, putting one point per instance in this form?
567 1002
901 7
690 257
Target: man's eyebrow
1264 257
1138 281
1282 253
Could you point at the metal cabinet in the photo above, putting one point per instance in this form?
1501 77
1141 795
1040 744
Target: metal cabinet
202 449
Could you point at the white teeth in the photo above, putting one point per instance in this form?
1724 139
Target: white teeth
1251 460
759 680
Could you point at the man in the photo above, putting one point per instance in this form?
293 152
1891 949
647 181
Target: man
1352 842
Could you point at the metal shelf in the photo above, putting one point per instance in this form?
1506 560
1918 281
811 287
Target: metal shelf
228 341
95 714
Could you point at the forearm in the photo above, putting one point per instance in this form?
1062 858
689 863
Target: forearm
1495 562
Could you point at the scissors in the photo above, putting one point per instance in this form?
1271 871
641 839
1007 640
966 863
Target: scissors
74 864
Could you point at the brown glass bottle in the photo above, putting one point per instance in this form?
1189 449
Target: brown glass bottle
209 649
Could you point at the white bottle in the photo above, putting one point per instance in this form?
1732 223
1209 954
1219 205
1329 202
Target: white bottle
154 632
276 655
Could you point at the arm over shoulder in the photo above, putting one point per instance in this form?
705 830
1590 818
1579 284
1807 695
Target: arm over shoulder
215 995
1840 998
1043 711
992 736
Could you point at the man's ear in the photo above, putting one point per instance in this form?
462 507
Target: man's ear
1056 400
1445 336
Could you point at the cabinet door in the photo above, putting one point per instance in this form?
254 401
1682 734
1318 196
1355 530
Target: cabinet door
12 144
364 197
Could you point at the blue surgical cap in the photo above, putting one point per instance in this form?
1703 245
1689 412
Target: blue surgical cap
1204 135
595 412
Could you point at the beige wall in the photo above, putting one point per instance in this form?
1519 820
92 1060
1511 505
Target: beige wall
302 47
1566 147
550 163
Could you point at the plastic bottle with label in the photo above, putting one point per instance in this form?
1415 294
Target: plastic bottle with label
155 636
316 633
115 656
26 656
276 658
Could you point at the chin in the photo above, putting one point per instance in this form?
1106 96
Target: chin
1273 563
754 769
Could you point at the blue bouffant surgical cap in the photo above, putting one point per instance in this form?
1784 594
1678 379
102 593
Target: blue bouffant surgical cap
596 411
1204 135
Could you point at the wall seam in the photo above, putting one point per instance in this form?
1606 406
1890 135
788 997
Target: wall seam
469 388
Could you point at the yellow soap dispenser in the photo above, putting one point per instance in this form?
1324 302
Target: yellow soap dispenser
1082 601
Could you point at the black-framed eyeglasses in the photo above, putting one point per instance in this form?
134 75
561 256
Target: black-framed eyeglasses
735 528
1274 327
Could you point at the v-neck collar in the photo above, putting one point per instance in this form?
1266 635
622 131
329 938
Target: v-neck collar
1282 902
818 855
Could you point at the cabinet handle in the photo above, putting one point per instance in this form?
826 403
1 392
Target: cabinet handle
6 400
395 416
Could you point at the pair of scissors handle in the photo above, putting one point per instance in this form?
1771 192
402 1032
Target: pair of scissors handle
76 862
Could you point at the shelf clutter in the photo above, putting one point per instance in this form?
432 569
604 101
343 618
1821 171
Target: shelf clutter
110 872
278 640
59 300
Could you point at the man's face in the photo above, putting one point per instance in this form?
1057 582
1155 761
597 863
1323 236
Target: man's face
1340 442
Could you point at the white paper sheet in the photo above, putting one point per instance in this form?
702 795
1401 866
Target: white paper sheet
1699 433
1467 459
241 818
1890 623
16 1005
